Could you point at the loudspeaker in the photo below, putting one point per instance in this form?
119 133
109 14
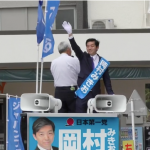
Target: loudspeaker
39 102
108 103
35 102
55 104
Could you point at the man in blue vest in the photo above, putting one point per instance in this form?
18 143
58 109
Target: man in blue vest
88 61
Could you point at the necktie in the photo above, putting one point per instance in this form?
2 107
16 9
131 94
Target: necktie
93 66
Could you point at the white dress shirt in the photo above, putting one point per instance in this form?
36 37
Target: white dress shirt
95 60
65 70
41 148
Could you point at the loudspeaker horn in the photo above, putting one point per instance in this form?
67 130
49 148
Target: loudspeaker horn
108 103
39 102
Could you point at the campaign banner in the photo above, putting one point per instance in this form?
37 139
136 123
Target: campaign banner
14 118
73 133
51 12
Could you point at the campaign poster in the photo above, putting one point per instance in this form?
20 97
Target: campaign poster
74 133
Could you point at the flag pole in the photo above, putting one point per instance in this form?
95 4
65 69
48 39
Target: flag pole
41 75
42 58
37 69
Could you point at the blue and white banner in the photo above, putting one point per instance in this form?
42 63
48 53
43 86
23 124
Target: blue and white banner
51 12
76 133
92 79
14 118
40 28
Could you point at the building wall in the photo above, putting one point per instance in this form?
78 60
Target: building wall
22 15
19 88
126 14
126 87
127 46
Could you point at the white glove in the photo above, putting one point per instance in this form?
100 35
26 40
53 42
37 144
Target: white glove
67 27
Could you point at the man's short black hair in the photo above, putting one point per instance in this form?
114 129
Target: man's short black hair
41 122
93 40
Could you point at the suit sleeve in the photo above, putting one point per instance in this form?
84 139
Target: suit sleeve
107 82
76 48
55 148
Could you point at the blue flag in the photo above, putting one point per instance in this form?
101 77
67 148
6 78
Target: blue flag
40 28
14 118
51 12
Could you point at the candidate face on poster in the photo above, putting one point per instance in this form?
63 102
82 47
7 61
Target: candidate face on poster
43 132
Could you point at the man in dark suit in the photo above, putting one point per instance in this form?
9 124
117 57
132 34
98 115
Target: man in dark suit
43 133
88 61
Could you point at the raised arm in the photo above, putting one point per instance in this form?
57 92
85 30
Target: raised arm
75 47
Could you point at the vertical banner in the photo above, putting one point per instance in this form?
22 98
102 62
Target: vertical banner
40 28
51 12
73 133
14 118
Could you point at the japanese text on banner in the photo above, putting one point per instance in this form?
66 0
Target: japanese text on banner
93 78
14 135
51 12
128 145
71 139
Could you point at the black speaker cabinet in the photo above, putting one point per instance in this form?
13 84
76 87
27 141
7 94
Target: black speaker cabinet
147 138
